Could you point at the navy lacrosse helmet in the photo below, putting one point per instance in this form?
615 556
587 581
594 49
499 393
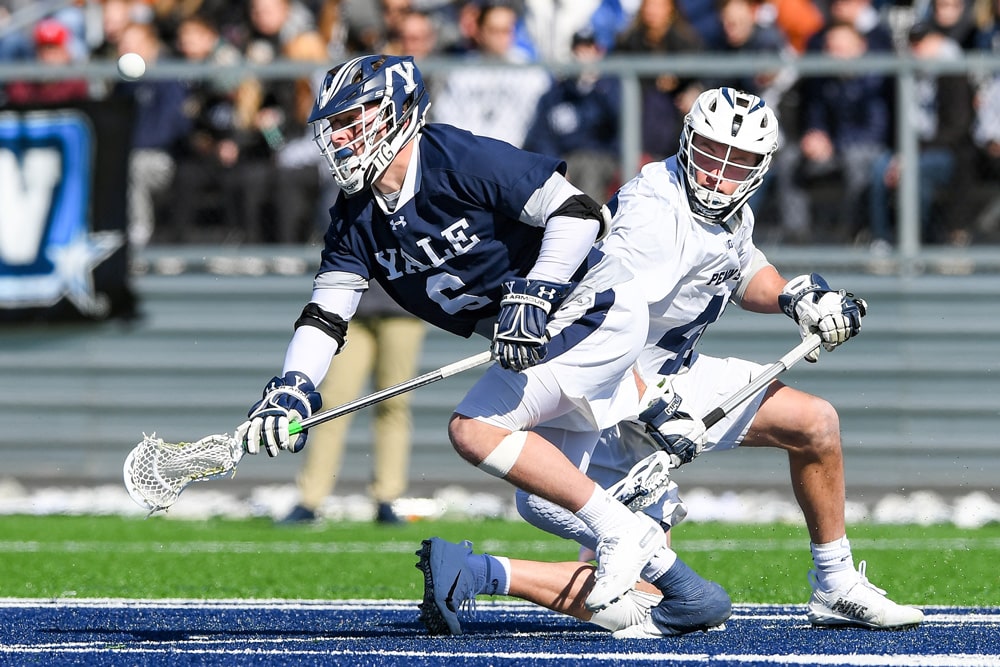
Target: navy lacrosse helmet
391 102
736 120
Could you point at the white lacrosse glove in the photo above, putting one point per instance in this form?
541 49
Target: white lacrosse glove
834 314
674 431
286 399
519 338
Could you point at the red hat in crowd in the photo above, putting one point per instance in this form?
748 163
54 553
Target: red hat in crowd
50 32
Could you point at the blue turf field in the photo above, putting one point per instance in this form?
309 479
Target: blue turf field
188 632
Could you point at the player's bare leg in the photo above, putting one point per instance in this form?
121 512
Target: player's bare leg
454 576
808 428
627 541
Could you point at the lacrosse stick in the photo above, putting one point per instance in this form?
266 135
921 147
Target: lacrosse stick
156 472
648 479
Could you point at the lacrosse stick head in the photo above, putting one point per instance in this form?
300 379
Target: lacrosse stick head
156 472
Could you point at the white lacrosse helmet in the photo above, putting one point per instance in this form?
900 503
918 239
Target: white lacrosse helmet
390 94
736 120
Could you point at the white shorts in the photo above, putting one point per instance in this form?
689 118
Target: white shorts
586 385
707 383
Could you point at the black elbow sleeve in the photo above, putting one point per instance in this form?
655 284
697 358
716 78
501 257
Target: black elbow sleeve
332 325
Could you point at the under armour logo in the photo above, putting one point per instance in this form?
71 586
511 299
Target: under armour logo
547 293
396 224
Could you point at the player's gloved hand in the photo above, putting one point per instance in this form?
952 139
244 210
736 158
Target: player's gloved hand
519 339
673 430
286 399
834 314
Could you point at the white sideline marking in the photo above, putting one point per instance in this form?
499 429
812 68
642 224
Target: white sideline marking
862 660
780 612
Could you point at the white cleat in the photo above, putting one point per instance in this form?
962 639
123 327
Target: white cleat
620 559
628 610
448 585
860 604
645 483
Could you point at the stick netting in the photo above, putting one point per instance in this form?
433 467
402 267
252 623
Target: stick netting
156 471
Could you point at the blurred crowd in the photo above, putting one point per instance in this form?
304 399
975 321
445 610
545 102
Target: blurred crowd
233 159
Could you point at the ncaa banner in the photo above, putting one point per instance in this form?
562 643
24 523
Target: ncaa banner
63 175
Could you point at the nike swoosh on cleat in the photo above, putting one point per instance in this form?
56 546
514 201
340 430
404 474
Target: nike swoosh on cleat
448 600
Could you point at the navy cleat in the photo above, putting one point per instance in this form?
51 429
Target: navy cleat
448 585
690 604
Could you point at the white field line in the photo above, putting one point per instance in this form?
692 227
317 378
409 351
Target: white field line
941 613
541 546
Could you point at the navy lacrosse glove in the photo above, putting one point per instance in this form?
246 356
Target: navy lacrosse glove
834 314
286 399
675 432
519 338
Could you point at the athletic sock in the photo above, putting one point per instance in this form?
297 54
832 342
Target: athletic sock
834 564
603 514
491 574
659 564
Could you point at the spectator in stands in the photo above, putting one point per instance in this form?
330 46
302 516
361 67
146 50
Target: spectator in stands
160 125
659 29
866 20
205 181
385 349
493 101
418 36
270 26
461 39
942 109
954 18
332 27
577 120
703 15
986 127
611 18
742 34
393 12
551 26
300 172
845 127
51 40
797 19
116 15
265 111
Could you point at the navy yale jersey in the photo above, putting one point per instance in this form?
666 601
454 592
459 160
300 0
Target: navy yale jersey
444 251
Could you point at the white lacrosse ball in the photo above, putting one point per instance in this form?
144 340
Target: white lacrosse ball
131 66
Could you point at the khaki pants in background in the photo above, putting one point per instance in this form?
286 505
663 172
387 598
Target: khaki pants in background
385 350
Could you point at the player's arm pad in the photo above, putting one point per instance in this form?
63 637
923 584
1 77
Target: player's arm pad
584 207
331 324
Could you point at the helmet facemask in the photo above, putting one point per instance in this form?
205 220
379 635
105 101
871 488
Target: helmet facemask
361 160
729 138
378 103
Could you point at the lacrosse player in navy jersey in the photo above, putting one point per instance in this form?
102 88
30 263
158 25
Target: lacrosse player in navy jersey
683 228
477 237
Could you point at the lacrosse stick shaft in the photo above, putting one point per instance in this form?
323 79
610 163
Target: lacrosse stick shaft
792 357
396 389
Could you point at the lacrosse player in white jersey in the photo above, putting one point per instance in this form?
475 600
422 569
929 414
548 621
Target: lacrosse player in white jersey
478 237
684 229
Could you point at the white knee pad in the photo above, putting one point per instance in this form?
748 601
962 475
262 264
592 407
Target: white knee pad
499 462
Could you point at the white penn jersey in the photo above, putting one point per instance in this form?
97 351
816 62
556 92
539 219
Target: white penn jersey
688 269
